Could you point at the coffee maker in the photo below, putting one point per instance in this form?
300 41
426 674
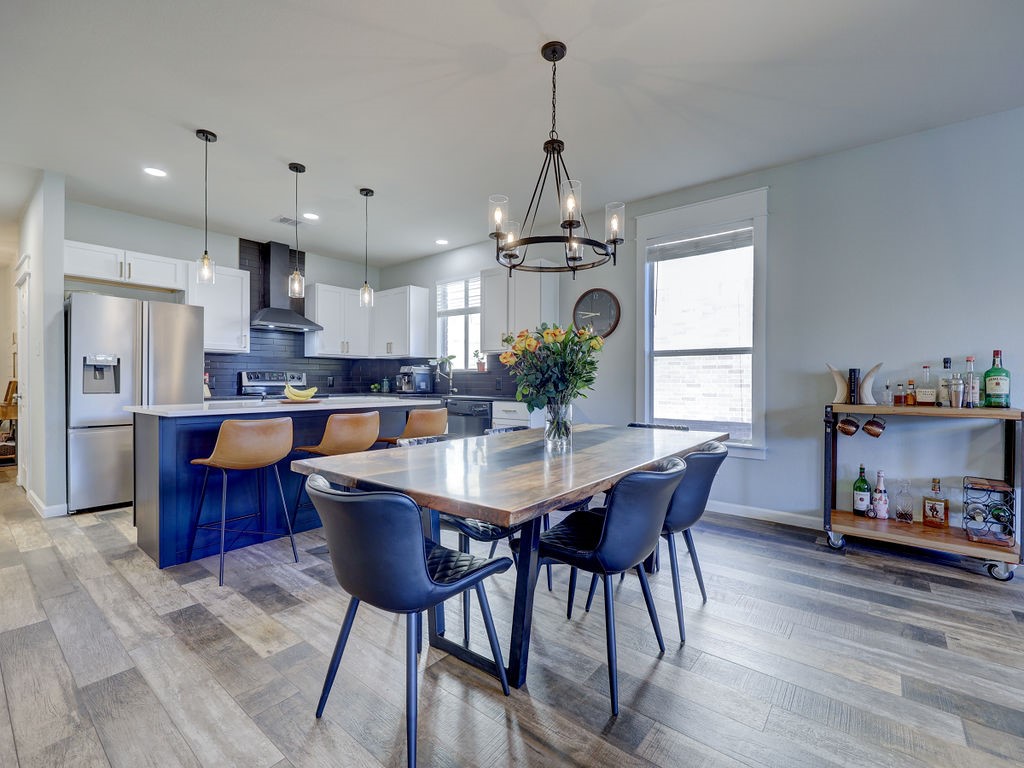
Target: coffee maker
404 380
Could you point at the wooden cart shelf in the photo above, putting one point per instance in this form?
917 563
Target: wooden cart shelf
839 523
952 540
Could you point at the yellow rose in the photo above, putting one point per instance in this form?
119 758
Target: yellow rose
582 333
596 343
553 335
519 345
531 343
508 357
523 334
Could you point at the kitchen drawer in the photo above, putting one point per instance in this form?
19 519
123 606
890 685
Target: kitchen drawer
505 413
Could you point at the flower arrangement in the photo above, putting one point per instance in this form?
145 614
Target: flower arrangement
553 366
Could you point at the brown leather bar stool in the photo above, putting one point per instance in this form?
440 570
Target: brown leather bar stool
343 433
245 444
422 423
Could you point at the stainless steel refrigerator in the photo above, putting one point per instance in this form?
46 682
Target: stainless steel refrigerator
122 352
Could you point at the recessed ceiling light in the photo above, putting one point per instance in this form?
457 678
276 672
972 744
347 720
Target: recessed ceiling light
441 242
158 172
311 216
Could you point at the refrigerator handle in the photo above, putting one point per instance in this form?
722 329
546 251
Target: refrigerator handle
142 355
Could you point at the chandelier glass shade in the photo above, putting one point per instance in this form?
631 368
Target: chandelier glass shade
579 250
206 269
296 282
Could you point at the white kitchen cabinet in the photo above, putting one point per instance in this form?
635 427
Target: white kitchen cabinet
508 305
115 265
399 323
226 308
505 413
346 325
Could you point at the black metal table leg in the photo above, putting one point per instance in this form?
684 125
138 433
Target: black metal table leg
522 610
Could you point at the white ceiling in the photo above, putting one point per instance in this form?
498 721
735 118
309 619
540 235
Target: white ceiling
438 104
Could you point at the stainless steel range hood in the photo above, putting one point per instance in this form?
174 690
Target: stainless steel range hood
278 313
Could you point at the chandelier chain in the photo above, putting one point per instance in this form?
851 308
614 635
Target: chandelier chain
554 67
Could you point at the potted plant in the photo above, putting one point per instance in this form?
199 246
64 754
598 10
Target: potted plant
481 360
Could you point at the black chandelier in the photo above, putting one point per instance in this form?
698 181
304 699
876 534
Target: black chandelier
580 250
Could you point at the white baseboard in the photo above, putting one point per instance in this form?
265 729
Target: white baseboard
56 510
771 515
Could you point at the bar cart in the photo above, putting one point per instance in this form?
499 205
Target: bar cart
1001 561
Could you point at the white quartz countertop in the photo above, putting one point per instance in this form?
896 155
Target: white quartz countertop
273 407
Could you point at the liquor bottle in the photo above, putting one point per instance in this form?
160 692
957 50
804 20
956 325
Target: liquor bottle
935 507
997 383
926 392
900 398
879 499
942 398
911 393
887 398
861 494
972 386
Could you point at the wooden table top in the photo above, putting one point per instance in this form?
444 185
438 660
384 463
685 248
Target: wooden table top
507 478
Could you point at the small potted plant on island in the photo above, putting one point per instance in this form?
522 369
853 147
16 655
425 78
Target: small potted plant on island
481 361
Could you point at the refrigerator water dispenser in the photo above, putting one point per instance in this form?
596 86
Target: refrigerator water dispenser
101 375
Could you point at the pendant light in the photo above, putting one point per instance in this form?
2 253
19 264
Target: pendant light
206 270
296 282
366 292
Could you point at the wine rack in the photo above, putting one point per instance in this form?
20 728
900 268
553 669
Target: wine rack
992 533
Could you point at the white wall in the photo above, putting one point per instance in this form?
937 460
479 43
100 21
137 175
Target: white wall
8 322
900 252
42 238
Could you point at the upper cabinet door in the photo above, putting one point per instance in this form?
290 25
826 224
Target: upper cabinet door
226 305
497 296
325 305
399 323
157 271
96 262
510 305
356 324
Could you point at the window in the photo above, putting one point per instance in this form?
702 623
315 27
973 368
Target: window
702 293
458 320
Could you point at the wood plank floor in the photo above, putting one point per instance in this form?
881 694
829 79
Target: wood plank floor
802 657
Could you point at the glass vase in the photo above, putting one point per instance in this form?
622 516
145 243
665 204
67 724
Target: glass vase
558 426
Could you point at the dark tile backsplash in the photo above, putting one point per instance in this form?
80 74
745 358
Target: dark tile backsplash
284 351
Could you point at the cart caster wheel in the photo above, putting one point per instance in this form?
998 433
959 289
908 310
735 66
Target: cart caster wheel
1000 571
835 541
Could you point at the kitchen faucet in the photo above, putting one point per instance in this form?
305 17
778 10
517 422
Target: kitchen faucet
445 362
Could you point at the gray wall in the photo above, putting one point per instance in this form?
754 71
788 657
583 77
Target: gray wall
900 252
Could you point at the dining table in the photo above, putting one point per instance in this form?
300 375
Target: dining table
510 479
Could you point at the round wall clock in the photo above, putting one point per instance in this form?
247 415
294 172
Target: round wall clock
598 308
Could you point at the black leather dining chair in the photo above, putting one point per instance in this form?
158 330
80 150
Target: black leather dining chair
615 539
381 557
687 507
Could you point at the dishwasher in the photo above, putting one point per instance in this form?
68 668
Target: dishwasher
466 417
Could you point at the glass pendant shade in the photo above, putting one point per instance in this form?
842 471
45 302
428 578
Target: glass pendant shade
614 222
296 285
366 295
206 270
572 196
497 213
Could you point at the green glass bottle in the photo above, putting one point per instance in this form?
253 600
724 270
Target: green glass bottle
997 383
861 494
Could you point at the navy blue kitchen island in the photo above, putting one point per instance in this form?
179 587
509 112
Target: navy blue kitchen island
167 485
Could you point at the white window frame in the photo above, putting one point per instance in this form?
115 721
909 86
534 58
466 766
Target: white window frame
463 312
750 208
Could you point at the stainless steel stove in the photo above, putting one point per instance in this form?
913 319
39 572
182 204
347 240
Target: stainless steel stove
268 383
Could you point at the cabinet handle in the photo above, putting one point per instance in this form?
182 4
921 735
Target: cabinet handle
129 270
120 270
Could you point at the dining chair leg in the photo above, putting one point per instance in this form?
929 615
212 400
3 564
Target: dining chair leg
494 546
546 524
593 588
464 548
649 599
609 628
287 517
696 564
199 514
419 633
411 669
572 592
223 519
339 648
677 593
492 636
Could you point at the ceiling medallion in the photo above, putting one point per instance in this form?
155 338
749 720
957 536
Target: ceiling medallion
579 249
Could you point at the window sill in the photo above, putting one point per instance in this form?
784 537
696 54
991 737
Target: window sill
744 451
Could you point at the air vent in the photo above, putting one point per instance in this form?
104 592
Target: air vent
287 220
